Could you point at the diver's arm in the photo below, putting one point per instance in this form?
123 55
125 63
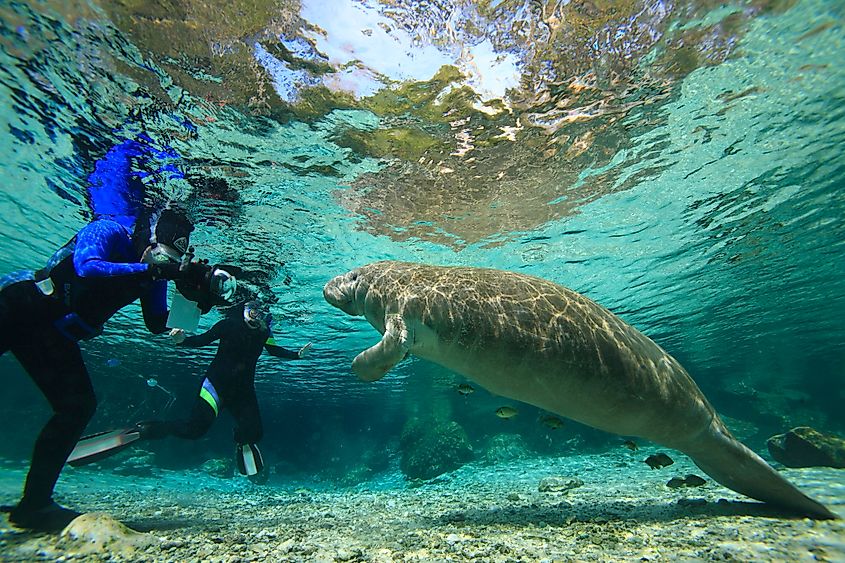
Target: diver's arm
95 243
279 352
205 338
154 307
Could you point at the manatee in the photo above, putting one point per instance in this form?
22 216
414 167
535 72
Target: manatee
529 339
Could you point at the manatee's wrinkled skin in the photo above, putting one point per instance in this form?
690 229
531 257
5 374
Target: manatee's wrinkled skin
532 340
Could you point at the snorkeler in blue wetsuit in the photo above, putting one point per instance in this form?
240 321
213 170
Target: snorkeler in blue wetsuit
229 383
44 314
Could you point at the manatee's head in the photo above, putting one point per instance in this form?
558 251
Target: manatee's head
343 292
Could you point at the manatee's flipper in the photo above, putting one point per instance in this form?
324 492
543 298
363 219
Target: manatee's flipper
735 466
374 362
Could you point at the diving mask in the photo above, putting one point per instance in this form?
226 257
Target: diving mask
254 314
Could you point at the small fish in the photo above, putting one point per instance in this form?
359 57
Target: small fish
506 412
465 389
552 422
112 362
688 481
676 483
694 481
152 382
658 461
630 445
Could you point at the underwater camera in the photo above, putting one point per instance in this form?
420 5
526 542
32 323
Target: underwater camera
207 285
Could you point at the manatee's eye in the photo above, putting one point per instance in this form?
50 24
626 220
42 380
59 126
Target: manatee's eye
353 276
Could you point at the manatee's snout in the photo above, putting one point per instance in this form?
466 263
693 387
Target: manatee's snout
340 292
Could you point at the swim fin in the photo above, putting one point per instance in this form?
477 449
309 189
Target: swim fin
249 459
260 478
102 445
49 518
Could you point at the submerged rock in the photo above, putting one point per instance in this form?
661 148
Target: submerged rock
431 449
557 484
806 447
97 532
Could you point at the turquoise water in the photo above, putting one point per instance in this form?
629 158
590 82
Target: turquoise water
679 163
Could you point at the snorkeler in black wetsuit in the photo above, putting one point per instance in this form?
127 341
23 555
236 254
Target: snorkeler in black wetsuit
44 314
229 383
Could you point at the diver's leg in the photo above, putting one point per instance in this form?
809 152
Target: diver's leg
195 427
248 432
203 415
248 429
55 365
18 308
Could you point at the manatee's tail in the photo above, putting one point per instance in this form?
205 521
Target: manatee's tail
735 466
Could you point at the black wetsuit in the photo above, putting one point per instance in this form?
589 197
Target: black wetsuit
229 383
92 277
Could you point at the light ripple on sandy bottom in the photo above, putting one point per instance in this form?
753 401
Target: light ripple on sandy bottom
623 512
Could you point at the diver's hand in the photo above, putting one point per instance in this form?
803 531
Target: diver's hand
167 271
304 350
177 335
194 283
197 273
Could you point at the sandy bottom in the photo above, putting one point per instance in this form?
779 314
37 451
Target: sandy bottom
622 512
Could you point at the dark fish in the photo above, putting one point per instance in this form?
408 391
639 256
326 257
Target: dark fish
506 412
688 481
465 389
552 422
630 445
658 461
694 481
676 483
